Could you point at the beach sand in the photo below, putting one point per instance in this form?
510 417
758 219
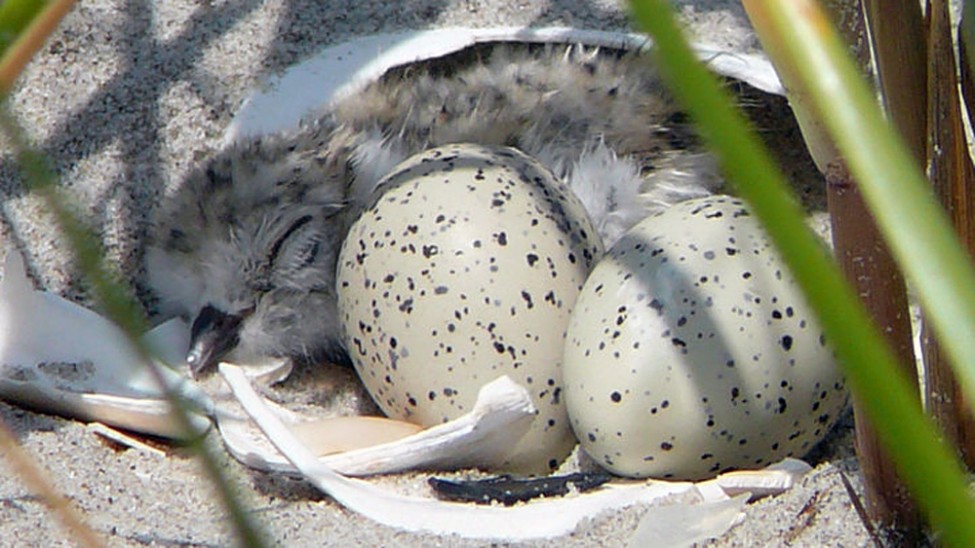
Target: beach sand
124 99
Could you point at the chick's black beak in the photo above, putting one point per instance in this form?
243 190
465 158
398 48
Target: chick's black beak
213 335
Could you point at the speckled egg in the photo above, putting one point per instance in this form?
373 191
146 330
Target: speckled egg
692 351
464 269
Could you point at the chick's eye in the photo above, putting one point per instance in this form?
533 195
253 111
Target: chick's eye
279 243
294 257
261 286
306 252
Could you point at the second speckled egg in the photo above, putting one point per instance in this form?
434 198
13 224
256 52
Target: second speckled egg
692 351
464 269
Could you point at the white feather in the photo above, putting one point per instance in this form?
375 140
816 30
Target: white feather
609 187
373 158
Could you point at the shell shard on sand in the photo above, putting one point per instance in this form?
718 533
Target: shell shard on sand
480 438
62 358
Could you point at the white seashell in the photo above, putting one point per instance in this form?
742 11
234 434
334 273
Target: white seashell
342 70
62 358
481 438
540 519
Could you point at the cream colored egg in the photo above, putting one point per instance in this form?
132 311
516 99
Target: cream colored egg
466 268
692 351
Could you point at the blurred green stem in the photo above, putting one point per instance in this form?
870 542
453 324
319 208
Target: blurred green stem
123 312
31 37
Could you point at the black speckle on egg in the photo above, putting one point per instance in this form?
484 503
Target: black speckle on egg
786 342
430 250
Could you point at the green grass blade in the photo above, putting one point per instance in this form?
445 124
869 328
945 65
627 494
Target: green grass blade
929 467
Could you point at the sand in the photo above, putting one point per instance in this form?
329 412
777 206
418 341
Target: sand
124 99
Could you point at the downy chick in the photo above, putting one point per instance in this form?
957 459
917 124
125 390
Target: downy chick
247 245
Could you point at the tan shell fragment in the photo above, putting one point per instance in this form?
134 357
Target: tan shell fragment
340 434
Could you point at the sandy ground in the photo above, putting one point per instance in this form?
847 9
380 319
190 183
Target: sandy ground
124 99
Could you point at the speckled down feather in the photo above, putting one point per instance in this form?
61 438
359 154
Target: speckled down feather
255 230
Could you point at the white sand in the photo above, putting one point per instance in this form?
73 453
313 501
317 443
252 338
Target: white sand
125 98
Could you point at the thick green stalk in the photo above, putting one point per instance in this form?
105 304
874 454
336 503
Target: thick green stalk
900 42
951 174
858 244
929 467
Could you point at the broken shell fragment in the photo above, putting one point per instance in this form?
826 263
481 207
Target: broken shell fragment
62 358
480 438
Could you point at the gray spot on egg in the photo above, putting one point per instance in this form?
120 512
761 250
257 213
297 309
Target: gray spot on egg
480 254
692 344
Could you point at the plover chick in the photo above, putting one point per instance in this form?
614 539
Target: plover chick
246 246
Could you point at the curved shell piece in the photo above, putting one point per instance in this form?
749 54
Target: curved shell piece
480 438
63 358
345 69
